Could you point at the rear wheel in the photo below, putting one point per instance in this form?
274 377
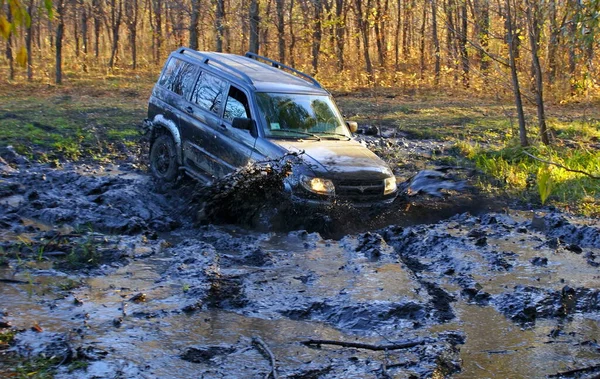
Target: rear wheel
163 159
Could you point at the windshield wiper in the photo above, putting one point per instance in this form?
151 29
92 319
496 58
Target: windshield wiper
334 134
297 132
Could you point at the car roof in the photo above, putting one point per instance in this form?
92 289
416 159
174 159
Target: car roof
253 73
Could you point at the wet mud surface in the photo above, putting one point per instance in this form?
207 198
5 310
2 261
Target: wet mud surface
114 276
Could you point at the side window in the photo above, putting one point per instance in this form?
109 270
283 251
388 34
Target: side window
208 93
236 105
179 77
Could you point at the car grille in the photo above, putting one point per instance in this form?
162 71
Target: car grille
359 190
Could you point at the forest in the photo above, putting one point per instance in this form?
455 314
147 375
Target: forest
484 263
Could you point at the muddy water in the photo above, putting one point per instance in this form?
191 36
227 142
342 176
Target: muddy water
311 288
492 295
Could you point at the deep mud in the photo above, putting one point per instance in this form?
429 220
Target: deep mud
111 275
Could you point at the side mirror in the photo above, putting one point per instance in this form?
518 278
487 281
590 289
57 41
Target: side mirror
352 125
245 124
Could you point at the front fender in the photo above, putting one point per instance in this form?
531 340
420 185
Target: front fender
161 121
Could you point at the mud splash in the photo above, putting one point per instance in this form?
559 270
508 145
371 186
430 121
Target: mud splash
479 294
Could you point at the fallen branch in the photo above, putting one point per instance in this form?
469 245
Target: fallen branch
561 166
394 346
574 372
264 349
14 281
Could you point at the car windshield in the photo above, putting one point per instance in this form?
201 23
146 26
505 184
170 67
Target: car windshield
300 116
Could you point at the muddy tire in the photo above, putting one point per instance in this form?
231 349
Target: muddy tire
163 159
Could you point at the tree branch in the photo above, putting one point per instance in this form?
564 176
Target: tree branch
561 166
264 349
395 346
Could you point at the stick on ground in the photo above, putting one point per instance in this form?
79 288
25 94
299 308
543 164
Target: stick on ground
264 349
394 346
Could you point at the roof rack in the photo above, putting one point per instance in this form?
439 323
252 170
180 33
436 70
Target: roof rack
283 66
206 60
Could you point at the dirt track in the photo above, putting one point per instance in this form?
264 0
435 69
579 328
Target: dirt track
480 294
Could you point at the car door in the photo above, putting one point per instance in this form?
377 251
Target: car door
200 122
241 146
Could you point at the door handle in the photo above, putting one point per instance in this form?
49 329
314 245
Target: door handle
189 109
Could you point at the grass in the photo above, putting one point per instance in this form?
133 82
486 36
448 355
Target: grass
91 118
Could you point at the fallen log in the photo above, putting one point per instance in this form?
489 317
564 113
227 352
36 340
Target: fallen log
358 345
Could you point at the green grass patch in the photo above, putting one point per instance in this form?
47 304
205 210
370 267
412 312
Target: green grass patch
532 180
75 121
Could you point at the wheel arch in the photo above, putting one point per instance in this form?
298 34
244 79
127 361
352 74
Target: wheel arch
162 125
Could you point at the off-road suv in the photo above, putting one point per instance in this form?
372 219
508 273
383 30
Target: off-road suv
211 113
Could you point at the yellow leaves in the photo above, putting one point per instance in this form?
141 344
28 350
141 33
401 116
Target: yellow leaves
22 57
5 27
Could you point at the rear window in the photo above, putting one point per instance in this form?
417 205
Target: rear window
179 76
208 93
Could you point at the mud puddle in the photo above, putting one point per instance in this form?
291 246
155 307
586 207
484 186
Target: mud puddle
481 294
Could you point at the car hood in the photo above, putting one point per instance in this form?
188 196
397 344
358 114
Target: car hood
337 159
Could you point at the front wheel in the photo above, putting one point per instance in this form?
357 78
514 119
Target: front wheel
163 159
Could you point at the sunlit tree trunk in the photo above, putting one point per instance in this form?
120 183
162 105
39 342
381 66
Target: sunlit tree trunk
422 44
362 14
514 75
280 29
9 51
397 35
116 14
464 55
60 15
317 34
436 41
219 27
254 27
340 26
533 24
194 20
29 40
131 14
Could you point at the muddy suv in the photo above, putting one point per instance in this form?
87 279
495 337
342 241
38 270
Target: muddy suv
211 113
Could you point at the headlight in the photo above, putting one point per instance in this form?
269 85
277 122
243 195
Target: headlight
318 185
390 185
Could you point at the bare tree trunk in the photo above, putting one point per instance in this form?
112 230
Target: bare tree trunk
397 35
60 13
29 40
219 27
555 31
380 33
131 20
339 33
363 25
75 15
116 14
158 28
9 51
464 55
436 41
482 12
515 77
317 35
406 29
280 29
422 44
254 27
97 11
194 21
533 23
292 34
